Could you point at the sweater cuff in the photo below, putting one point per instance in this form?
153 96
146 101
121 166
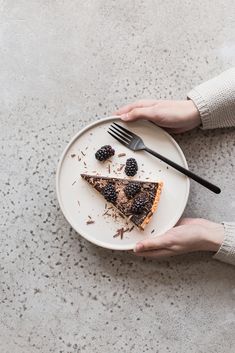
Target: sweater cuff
202 107
226 252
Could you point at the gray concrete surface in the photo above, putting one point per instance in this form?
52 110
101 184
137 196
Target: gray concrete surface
62 65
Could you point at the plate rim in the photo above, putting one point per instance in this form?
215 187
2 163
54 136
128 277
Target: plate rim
58 170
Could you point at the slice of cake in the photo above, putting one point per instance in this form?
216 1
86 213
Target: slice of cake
136 200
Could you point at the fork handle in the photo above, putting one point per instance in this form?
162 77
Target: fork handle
185 171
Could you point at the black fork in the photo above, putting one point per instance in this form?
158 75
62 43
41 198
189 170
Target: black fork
135 143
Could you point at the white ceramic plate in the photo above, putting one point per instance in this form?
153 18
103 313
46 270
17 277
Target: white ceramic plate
79 201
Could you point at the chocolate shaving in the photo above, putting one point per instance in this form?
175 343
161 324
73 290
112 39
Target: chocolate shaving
79 159
84 163
109 169
73 155
116 235
131 229
106 213
121 167
90 222
152 231
83 153
120 232
74 182
121 154
78 202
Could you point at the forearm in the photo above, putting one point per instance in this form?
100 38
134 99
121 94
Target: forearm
215 101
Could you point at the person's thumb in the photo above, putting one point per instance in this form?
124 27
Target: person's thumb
158 242
139 113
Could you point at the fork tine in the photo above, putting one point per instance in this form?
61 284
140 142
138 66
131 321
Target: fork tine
117 138
129 136
125 130
117 132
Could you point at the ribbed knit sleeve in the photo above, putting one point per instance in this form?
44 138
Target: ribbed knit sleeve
226 252
215 100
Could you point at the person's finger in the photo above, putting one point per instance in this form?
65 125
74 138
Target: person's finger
157 253
139 104
140 113
158 242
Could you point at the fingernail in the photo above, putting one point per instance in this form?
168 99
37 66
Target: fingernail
138 247
124 117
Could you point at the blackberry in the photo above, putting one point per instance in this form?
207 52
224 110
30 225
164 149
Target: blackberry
132 189
109 193
104 153
131 167
139 204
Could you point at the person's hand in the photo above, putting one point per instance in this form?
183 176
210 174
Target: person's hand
176 116
191 234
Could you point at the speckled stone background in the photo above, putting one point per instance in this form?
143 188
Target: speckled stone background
63 64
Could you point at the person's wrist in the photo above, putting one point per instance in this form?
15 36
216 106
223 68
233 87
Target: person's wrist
214 237
194 115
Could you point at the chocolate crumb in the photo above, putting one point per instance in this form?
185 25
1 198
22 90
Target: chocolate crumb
167 167
90 222
86 148
105 206
89 217
74 182
152 231
79 159
73 155
121 155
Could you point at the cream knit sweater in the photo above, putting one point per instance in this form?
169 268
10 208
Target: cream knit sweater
215 101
